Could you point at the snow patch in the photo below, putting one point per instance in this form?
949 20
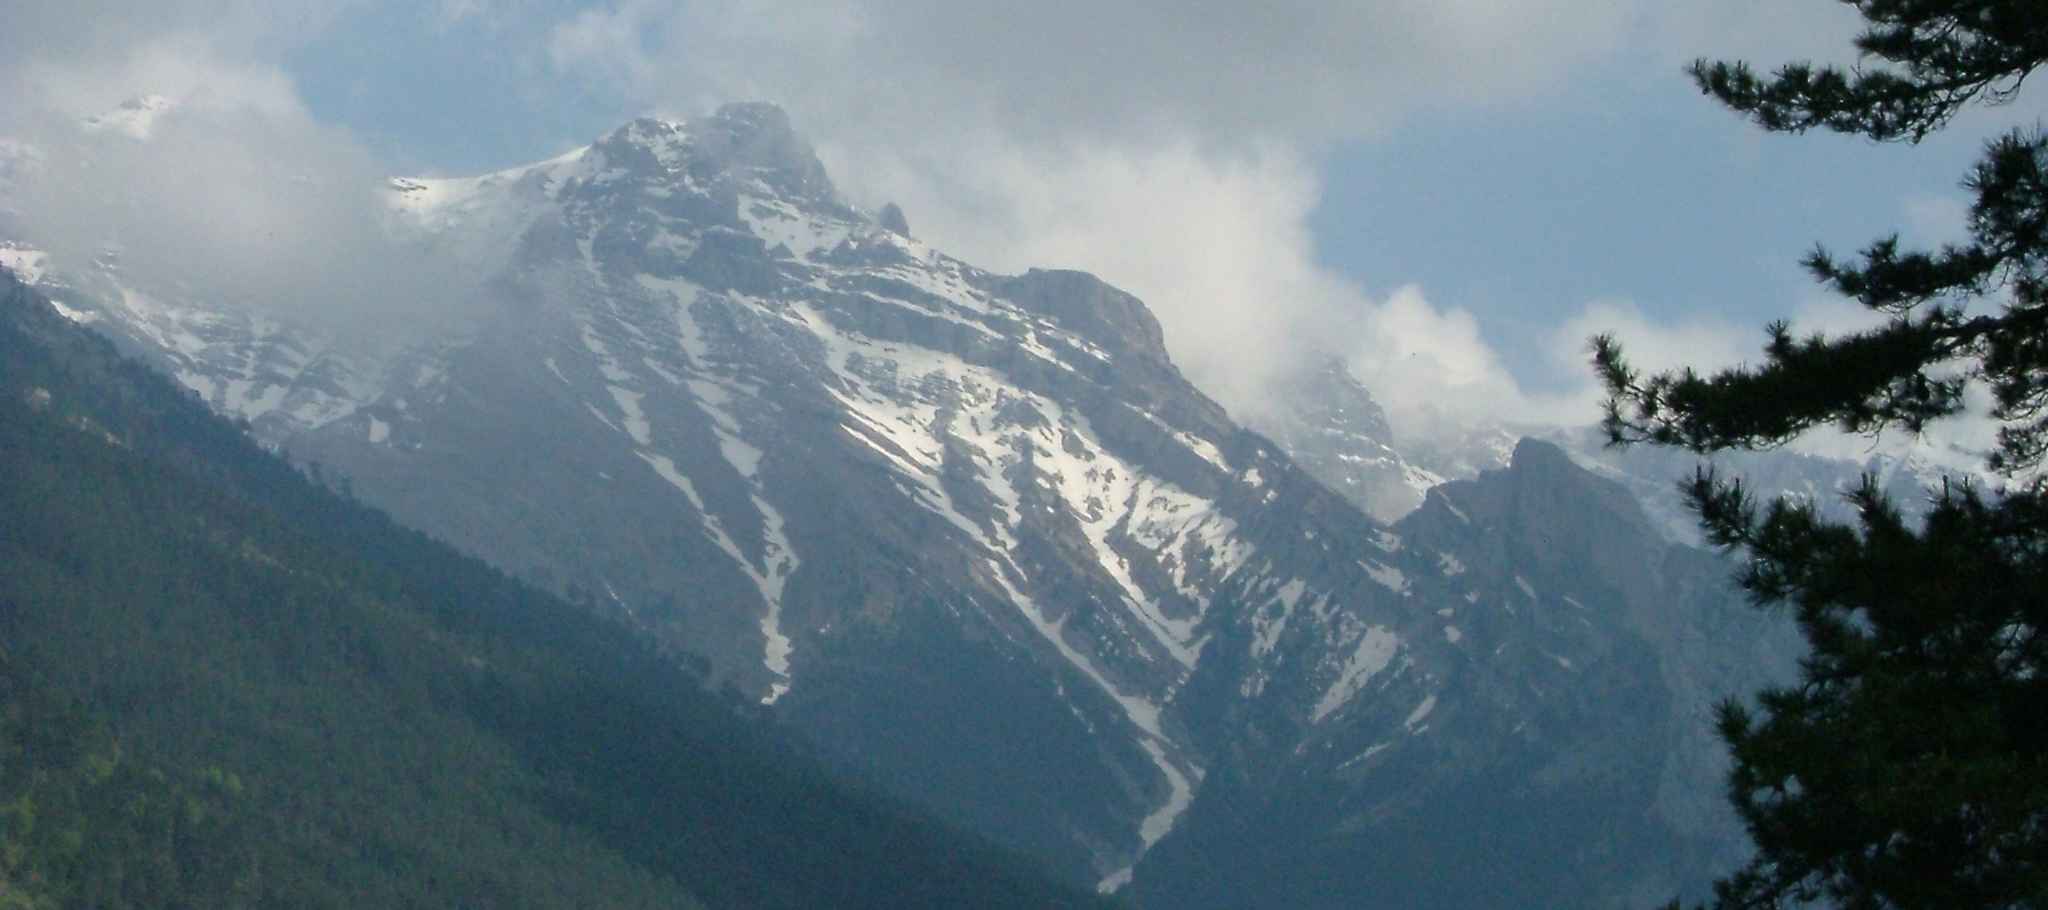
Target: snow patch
911 406
27 266
635 419
1180 795
1269 623
1387 576
1421 711
778 223
710 392
778 563
1375 651
1370 751
78 316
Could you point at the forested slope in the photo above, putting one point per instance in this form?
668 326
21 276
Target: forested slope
223 685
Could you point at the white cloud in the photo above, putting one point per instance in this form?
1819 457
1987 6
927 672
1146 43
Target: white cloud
223 188
1300 70
1957 445
1705 344
1415 356
78 59
243 207
187 70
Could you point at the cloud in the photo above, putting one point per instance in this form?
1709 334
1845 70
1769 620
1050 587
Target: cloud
1958 445
1215 249
248 207
1705 344
80 59
222 187
1415 357
1303 70
189 71
1231 75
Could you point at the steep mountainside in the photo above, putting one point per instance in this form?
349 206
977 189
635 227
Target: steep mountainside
222 686
1570 760
975 536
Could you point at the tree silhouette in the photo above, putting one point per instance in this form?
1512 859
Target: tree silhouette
1908 766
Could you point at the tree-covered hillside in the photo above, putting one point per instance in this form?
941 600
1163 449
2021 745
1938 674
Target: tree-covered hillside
223 685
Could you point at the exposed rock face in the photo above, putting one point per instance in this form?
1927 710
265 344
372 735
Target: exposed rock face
977 537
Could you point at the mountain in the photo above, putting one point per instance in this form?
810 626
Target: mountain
221 685
1568 760
1327 421
975 537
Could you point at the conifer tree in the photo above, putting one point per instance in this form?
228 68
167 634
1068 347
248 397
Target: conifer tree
1908 765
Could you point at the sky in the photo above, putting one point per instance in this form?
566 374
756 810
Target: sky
1451 194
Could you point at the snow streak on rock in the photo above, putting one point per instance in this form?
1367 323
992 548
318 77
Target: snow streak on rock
926 412
678 358
1375 651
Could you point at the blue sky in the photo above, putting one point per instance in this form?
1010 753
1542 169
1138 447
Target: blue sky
1636 190
467 96
1451 193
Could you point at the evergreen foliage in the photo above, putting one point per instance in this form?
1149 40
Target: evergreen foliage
223 685
1908 768
84 824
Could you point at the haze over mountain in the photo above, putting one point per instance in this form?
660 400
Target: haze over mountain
976 536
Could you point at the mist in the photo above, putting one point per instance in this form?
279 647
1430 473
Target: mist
234 208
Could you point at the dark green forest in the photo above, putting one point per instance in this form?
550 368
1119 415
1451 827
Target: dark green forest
223 685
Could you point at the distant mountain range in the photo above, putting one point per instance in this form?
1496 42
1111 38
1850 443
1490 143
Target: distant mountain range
976 538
